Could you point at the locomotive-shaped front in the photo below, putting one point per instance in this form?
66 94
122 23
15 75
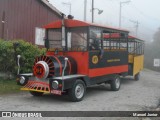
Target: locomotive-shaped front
48 74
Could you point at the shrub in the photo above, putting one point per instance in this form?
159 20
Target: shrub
8 56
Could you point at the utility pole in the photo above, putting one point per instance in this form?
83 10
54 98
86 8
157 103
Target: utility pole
85 9
99 11
120 12
92 11
136 26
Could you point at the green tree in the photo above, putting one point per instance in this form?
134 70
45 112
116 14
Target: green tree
8 56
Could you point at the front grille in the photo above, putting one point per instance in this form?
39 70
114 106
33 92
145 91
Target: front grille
48 61
37 86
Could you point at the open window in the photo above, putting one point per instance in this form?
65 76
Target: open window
136 46
113 40
95 39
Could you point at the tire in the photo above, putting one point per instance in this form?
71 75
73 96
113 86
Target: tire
115 83
34 93
77 92
137 76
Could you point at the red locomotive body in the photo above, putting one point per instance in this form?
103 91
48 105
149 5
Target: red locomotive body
78 56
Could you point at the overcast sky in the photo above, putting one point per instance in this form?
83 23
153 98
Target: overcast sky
146 12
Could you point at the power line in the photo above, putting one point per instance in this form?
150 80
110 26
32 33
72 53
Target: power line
136 26
144 15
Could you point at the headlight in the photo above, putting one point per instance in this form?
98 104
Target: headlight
22 80
55 84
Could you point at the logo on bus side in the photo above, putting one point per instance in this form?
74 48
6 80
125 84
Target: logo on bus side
95 59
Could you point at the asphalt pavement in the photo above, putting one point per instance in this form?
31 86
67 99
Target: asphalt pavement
142 95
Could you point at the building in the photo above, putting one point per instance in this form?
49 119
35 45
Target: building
19 18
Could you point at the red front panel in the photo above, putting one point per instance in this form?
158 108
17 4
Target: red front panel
81 59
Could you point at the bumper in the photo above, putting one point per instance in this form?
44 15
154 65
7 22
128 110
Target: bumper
37 86
40 87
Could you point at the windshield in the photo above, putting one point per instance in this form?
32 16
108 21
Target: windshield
55 39
77 39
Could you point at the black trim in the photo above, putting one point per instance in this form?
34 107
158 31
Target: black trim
130 69
110 58
68 83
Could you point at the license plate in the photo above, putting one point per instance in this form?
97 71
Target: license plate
57 92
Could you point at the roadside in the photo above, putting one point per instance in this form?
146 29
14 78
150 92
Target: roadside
142 95
8 86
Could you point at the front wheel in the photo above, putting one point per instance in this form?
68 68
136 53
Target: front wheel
115 83
34 93
78 91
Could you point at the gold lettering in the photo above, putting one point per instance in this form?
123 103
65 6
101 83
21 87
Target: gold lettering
113 60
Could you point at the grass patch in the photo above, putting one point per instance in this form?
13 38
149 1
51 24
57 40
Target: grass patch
8 86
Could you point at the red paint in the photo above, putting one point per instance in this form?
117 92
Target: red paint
107 70
81 59
117 36
70 68
76 23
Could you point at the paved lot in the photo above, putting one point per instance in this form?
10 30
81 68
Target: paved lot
133 96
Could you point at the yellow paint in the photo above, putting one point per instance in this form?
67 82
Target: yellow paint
130 58
95 59
28 89
138 64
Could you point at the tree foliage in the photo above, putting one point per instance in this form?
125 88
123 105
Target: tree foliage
8 58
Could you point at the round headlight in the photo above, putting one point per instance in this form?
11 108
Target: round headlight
22 80
55 84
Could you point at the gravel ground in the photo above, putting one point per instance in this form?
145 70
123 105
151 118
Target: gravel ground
139 95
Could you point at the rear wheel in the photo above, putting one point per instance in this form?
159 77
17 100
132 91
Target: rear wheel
115 83
137 76
78 91
34 93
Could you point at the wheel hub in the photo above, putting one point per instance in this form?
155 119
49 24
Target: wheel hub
117 83
79 91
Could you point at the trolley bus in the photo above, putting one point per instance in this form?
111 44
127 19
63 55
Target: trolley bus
81 54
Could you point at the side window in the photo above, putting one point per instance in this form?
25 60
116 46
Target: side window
95 39
114 41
